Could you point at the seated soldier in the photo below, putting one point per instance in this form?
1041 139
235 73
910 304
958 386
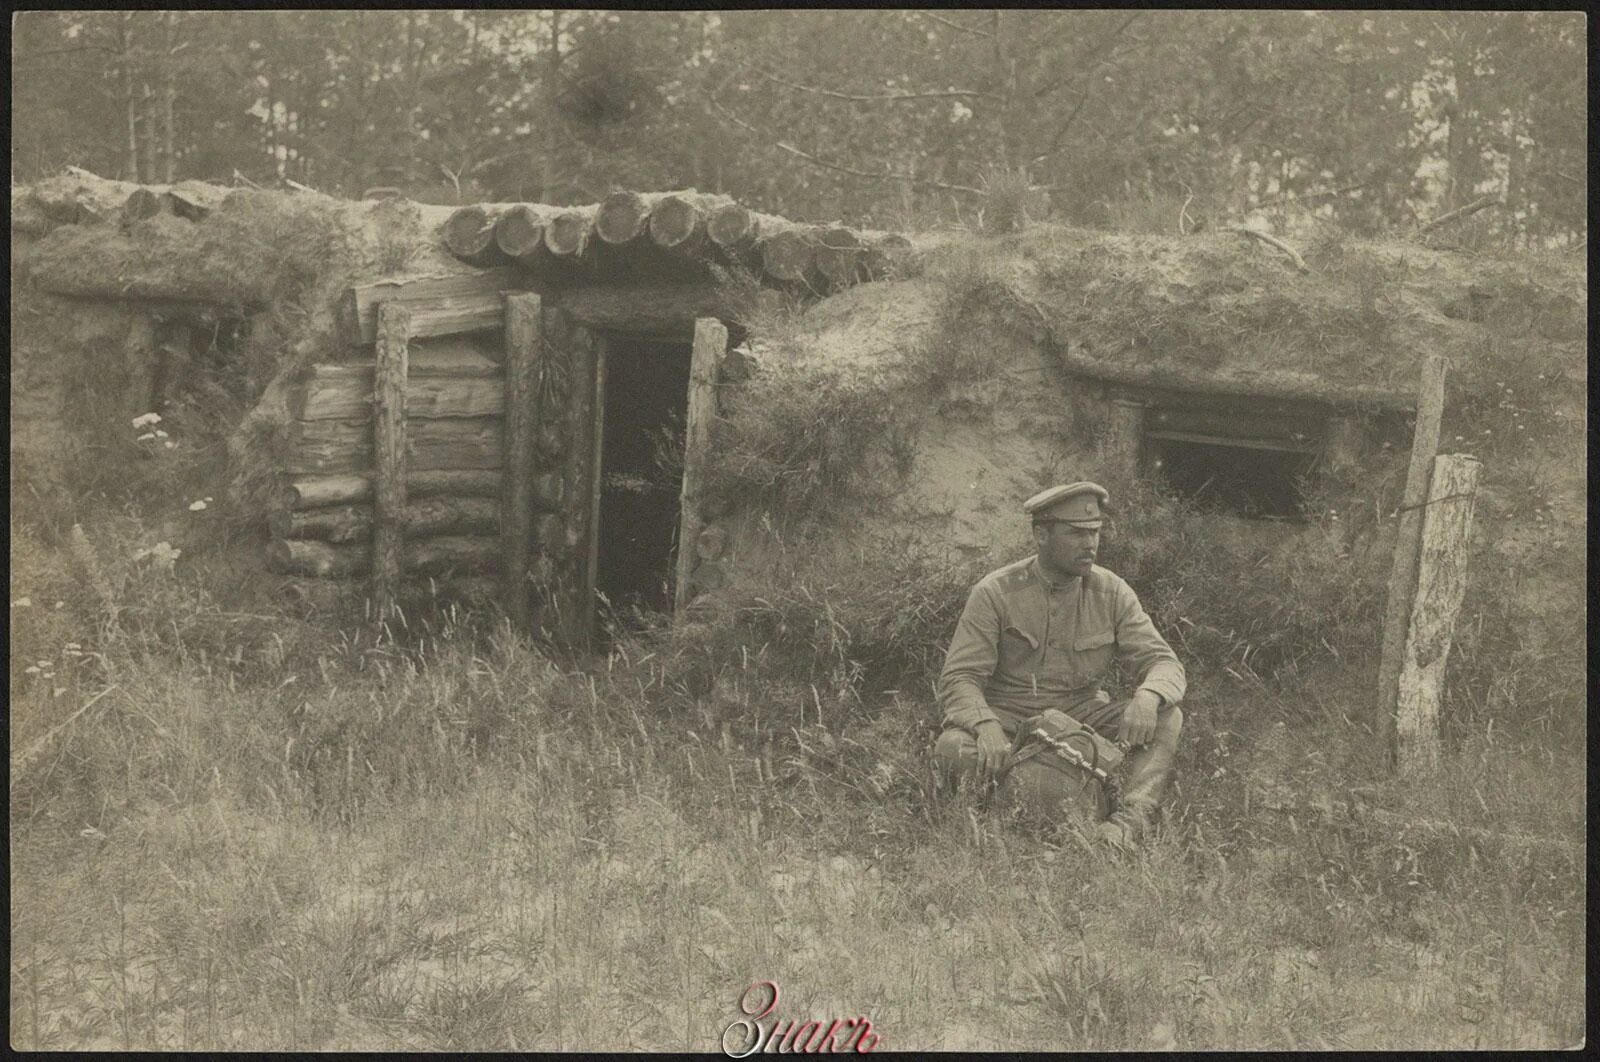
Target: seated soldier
1040 633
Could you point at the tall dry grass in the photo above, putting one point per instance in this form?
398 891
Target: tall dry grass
268 833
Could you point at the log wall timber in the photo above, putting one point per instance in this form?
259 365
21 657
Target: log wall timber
422 517
344 392
1441 583
312 492
433 556
439 305
432 444
390 456
656 309
1281 385
524 345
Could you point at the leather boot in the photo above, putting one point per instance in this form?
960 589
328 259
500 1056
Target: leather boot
1148 770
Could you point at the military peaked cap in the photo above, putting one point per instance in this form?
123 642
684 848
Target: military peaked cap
1078 504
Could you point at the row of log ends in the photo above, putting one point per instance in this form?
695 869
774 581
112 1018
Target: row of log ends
692 226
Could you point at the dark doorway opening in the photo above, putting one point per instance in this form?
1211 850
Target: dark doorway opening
1246 478
641 475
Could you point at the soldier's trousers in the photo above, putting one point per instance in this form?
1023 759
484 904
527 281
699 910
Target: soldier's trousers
1146 773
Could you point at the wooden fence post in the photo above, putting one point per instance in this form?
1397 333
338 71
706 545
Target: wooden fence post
710 342
524 361
1441 582
389 456
1403 575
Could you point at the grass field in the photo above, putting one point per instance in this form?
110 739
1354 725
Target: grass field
263 833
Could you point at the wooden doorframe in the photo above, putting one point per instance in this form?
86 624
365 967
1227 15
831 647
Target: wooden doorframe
705 358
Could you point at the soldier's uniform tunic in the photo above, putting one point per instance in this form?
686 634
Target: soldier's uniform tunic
1024 644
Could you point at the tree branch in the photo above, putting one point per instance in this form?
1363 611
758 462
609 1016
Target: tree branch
1299 263
1460 212
887 175
1088 86
1101 47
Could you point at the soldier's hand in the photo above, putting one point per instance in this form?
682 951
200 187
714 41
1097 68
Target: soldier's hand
1139 719
993 748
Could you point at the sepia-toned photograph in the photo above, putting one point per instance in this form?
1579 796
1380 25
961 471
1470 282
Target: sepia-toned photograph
798 531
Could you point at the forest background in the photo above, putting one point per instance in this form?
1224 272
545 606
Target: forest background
886 118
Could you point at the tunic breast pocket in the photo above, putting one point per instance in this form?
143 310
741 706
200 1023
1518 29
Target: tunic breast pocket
1092 653
1017 650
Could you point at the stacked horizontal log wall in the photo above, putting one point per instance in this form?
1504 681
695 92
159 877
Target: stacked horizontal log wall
449 518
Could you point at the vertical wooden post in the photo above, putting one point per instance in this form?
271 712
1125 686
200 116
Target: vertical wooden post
1403 575
524 362
597 442
710 342
389 456
574 603
1441 582
1125 434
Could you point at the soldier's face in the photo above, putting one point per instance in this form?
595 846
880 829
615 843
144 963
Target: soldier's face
1067 550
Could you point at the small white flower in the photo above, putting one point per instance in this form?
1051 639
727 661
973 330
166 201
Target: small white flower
72 645
208 498
22 602
144 420
171 445
145 436
160 434
61 604
196 505
42 663
30 671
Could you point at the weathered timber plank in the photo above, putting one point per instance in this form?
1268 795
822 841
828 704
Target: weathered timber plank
710 343
441 305
390 455
326 446
524 346
316 491
447 553
346 395
422 517
647 309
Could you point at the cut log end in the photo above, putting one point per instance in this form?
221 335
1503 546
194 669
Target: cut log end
621 217
839 256
519 233
787 255
674 221
469 235
566 233
143 203
731 226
